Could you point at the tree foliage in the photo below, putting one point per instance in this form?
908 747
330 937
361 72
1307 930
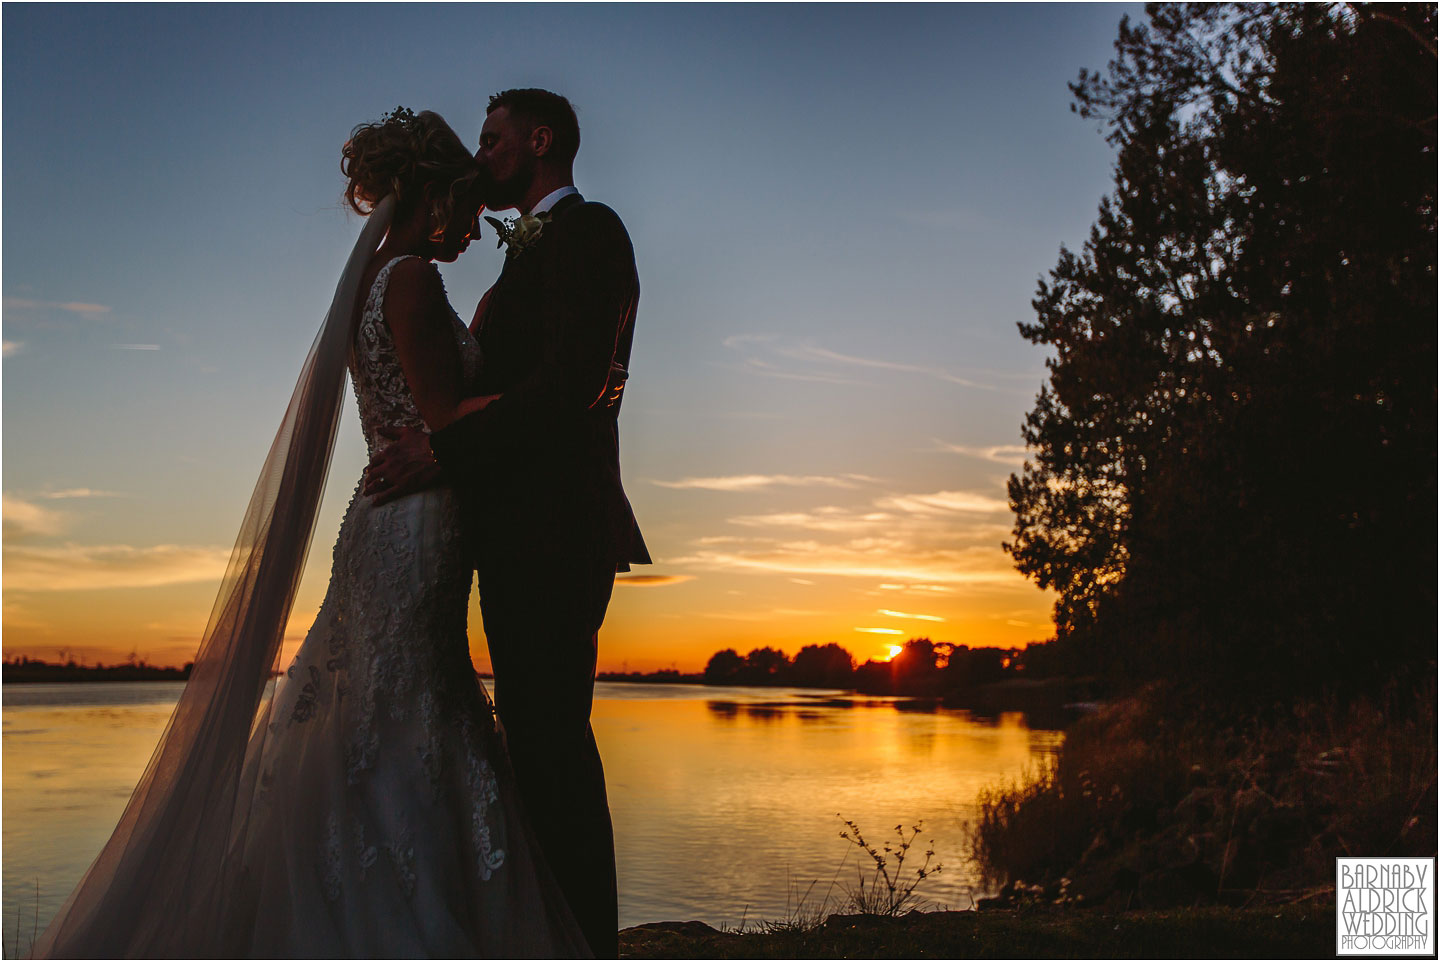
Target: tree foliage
1234 455
822 666
724 667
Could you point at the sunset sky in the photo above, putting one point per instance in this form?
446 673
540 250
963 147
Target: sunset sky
839 214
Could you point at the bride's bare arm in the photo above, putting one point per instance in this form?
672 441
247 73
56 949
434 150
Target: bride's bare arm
424 334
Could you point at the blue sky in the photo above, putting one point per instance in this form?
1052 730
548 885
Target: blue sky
839 215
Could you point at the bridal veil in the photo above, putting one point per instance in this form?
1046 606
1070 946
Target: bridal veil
160 886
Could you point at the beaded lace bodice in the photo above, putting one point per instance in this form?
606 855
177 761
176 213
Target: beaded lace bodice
382 693
380 387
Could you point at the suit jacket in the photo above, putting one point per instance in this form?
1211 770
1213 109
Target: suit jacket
543 461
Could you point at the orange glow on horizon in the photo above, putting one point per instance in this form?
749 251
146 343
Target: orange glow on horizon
678 621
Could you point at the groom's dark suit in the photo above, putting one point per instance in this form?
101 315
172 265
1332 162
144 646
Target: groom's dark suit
551 525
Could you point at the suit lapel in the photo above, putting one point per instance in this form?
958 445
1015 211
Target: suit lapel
560 206
520 278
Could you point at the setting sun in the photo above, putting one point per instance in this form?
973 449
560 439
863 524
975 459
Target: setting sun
893 650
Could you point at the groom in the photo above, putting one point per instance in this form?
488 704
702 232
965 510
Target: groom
541 470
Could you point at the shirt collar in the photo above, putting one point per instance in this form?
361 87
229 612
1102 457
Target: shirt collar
551 199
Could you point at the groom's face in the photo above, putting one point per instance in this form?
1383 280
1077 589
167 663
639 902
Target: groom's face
505 154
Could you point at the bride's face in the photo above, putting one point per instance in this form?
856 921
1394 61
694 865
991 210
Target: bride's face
463 227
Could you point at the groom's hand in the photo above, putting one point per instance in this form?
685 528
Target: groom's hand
405 466
614 385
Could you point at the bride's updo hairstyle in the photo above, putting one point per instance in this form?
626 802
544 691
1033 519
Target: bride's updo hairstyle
402 154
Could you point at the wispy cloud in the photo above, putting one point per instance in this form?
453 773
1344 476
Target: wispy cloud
1012 454
939 589
918 544
67 493
756 366
75 567
881 631
822 363
650 581
905 614
973 566
736 341
943 502
17 615
821 519
11 348
135 347
752 482
73 307
810 352
23 520
764 615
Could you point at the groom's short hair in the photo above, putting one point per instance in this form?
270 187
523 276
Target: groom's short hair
541 108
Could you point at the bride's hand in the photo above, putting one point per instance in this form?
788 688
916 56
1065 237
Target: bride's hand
404 466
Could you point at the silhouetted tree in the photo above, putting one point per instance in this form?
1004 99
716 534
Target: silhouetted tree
1048 659
724 667
1234 469
969 667
766 666
916 669
829 666
874 678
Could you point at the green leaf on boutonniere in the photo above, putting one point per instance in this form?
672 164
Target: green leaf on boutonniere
518 234
501 228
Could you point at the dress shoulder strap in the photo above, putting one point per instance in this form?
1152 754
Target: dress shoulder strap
382 281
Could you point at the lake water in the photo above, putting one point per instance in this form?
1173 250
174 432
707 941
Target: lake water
724 799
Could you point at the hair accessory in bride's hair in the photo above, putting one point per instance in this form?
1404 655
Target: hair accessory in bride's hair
406 153
400 115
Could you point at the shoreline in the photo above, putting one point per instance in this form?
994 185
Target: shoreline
43 673
1057 702
1300 929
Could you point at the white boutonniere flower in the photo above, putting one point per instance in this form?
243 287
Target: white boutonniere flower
519 233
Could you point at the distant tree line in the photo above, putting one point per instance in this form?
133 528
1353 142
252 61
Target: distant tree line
23 669
1233 477
922 667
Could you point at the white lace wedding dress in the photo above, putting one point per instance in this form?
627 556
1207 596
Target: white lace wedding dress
365 807
383 818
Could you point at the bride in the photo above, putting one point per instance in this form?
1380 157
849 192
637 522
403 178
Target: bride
366 806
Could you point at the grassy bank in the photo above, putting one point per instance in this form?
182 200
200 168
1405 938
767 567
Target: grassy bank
1297 930
1158 802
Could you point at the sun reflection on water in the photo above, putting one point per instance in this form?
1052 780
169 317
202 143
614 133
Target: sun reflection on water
721 797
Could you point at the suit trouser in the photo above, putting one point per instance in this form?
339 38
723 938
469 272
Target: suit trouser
542 611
